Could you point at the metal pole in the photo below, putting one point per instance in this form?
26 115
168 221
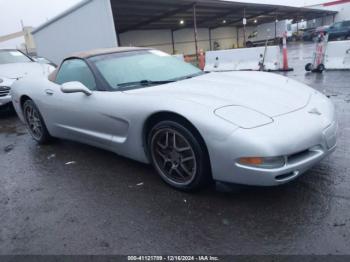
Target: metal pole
297 24
210 45
116 27
244 43
298 27
195 29
25 42
172 41
118 38
237 36
275 28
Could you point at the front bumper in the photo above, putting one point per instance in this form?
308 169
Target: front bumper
302 144
5 100
296 165
5 91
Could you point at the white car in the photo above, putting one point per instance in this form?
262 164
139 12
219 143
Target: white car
14 65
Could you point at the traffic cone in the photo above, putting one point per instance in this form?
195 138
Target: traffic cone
285 54
201 58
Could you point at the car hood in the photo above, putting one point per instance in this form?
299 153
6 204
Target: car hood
19 70
267 93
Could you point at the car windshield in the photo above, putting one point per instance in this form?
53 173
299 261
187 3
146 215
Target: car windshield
12 56
136 69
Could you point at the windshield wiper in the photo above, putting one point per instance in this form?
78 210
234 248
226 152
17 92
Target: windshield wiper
192 76
196 74
144 83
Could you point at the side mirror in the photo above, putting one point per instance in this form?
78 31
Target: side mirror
75 87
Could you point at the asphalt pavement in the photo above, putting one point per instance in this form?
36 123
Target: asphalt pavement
69 198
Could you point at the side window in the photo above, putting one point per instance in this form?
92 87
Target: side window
337 25
346 23
76 70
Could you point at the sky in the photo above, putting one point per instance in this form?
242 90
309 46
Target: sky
35 12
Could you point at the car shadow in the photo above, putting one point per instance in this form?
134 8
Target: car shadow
7 112
96 185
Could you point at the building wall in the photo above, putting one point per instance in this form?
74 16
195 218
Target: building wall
341 6
327 20
344 12
183 39
159 39
248 30
88 27
225 36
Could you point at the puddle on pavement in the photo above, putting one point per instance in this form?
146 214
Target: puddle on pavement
11 125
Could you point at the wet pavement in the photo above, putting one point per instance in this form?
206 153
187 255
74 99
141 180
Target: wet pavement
68 198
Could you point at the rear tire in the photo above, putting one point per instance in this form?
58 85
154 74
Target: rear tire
308 67
35 123
178 156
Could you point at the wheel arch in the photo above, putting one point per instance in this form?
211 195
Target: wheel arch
23 99
155 118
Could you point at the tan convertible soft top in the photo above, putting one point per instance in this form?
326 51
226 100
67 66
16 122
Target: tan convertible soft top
95 52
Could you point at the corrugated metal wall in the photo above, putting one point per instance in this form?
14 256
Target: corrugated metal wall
87 26
184 43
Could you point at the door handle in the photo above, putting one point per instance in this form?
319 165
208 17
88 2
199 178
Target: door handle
49 92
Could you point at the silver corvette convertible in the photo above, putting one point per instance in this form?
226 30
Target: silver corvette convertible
248 128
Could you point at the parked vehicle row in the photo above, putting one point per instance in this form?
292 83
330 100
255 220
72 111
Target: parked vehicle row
312 33
337 31
265 32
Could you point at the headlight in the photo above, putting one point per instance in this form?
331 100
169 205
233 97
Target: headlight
262 162
243 117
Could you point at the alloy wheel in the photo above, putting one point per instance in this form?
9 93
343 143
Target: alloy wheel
174 156
33 120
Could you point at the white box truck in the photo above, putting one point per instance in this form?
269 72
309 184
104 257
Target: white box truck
271 32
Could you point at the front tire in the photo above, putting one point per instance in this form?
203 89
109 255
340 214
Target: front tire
320 68
178 156
35 123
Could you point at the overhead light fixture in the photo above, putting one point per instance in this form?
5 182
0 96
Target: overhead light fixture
182 22
224 21
255 21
